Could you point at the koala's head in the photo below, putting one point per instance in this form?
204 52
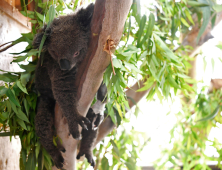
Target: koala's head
67 37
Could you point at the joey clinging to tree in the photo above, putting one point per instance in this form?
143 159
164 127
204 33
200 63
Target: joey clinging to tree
95 115
65 46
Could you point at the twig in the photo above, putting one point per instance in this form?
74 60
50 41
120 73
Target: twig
6 43
108 45
111 60
6 47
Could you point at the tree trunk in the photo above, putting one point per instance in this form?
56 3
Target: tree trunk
108 21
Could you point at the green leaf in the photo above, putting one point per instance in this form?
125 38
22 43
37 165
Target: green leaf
115 148
54 141
51 14
37 149
219 45
217 8
25 78
40 160
132 67
76 3
22 87
119 110
196 4
12 97
172 82
150 94
7 77
141 30
167 51
149 28
130 163
183 76
206 19
9 107
3 91
148 84
31 163
105 163
26 106
21 123
22 115
117 63
211 116
42 43
40 16
14 108
2 117
184 22
29 67
189 16
19 58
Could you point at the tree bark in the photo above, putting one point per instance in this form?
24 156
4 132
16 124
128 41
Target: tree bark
108 20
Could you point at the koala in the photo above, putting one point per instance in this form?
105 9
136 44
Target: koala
66 44
89 136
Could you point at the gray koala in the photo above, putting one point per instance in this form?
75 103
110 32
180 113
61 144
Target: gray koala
65 46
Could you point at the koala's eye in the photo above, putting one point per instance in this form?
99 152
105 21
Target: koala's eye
76 53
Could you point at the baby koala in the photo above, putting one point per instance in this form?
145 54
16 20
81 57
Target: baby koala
95 115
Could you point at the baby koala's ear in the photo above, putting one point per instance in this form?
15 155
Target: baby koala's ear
84 15
38 37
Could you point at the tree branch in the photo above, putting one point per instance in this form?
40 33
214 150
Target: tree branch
108 20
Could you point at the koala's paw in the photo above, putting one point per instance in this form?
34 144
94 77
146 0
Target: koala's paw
83 122
88 157
75 133
58 160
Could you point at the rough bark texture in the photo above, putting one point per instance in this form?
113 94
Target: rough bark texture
108 20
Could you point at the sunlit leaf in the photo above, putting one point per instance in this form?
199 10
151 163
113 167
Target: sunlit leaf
12 97
210 116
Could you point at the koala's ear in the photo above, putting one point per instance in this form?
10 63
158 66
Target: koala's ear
84 15
38 37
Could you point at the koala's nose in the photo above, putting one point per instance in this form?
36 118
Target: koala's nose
64 64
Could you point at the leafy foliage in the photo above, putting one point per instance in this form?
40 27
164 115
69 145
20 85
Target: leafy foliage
189 136
142 53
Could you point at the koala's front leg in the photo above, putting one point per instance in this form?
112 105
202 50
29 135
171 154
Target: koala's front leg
64 93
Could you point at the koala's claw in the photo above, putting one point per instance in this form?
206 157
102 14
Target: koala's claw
83 122
88 157
86 120
79 155
63 150
83 125
58 160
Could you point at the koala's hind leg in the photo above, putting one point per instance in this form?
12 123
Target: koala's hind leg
44 122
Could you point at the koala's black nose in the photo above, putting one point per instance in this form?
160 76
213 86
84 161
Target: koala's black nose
64 64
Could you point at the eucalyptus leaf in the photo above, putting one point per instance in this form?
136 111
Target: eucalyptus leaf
12 97
210 116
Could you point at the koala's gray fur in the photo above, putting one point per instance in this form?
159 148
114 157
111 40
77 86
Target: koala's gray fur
65 46
89 136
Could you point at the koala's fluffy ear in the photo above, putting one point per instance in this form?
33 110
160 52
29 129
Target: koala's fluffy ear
38 37
84 15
